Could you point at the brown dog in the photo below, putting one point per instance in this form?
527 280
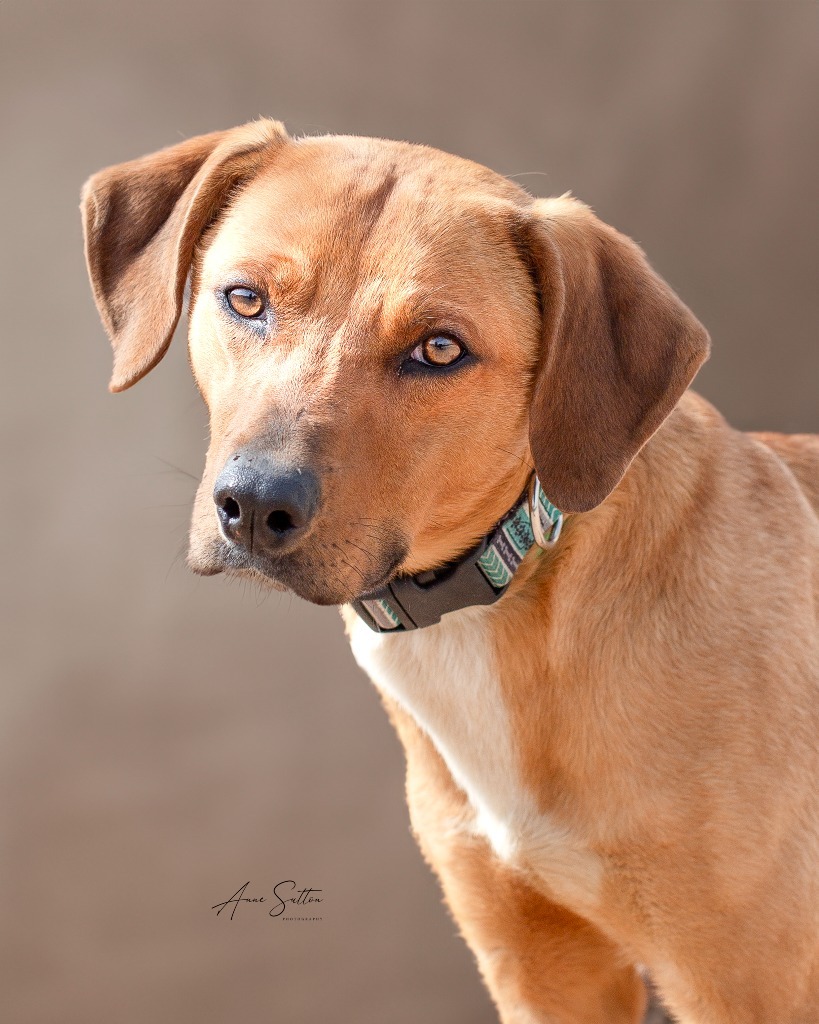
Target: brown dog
622 753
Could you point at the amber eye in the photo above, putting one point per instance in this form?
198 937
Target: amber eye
245 302
438 351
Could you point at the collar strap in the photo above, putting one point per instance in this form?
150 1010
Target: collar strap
480 576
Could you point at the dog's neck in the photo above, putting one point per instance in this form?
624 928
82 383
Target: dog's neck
479 577
420 601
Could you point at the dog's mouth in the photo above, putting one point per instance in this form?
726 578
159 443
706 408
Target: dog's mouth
330 579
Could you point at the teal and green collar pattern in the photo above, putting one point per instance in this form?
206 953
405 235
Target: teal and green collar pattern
481 576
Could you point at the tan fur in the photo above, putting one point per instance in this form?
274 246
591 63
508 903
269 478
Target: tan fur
616 765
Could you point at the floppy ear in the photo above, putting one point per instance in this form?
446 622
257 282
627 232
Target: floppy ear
141 222
619 349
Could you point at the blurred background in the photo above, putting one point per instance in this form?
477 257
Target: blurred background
165 738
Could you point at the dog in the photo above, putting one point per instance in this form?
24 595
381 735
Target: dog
589 604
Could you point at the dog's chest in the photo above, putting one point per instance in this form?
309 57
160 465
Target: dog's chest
447 678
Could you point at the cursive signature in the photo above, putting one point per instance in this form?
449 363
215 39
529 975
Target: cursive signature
279 902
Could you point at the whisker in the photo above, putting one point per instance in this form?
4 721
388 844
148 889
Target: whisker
179 554
355 569
177 469
363 551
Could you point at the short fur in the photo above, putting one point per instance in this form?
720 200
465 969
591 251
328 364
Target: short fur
615 766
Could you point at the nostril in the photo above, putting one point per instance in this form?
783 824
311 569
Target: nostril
230 506
280 521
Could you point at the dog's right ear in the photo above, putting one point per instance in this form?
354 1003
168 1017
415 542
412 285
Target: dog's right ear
141 222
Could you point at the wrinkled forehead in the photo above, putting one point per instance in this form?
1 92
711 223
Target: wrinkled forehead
342 213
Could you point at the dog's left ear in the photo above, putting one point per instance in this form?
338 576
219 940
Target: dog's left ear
141 222
619 349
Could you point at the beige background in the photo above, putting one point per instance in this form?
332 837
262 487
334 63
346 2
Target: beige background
166 738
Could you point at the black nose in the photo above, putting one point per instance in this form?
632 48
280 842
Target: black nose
262 504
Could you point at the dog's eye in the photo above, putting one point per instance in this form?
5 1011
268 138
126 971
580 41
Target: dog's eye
245 302
438 351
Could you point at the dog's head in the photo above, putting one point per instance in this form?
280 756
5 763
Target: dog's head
388 339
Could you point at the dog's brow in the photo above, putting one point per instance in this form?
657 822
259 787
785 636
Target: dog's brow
276 266
389 296
401 310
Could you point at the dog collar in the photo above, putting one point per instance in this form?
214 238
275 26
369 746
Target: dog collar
480 576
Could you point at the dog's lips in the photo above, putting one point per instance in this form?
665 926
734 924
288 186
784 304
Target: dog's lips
225 557
293 572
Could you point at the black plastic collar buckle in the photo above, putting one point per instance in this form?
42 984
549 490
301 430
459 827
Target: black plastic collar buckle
421 600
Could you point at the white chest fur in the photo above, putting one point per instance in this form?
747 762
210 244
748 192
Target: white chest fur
446 678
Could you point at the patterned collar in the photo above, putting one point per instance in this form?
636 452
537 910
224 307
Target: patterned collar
480 576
